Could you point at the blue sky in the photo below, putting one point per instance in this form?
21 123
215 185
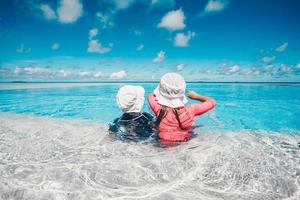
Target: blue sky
96 40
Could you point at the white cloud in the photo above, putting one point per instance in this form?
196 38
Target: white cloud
22 49
123 4
96 47
268 59
106 17
180 67
269 68
17 70
48 12
69 11
282 47
93 33
38 72
109 9
98 75
216 5
55 46
248 72
160 57
162 3
233 69
105 20
140 47
285 69
256 72
298 66
173 20
34 71
84 74
64 73
182 40
118 75
137 32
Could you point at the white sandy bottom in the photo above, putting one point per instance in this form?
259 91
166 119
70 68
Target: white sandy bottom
44 158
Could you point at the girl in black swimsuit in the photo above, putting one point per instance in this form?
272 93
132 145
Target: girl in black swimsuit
133 127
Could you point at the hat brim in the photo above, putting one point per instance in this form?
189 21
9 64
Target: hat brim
173 103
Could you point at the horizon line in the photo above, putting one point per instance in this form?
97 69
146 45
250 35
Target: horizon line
132 81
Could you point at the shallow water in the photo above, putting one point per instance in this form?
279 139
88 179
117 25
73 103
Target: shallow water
54 145
271 107
46 158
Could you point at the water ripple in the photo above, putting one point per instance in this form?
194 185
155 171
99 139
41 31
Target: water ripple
45 158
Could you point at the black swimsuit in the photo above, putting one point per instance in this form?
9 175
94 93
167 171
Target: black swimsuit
133 126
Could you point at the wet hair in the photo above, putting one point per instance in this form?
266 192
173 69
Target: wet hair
162 113
177 117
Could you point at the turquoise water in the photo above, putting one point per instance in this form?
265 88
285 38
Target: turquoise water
272 107
54 144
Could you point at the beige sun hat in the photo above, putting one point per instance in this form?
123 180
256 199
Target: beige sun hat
171 90
130 98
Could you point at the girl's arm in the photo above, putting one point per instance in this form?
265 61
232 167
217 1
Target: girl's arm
201 108
195 96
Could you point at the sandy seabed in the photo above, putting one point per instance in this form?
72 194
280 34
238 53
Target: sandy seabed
46 158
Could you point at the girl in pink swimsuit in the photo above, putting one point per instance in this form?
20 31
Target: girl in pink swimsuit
174 120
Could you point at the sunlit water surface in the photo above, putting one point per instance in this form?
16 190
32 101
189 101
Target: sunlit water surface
54 145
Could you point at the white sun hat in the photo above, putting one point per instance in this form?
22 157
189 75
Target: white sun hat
131 98
171 90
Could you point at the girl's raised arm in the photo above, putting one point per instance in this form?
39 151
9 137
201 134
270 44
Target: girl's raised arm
195 96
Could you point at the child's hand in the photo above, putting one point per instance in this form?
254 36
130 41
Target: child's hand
192 94
195 96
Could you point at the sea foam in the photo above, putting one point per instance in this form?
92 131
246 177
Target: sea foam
45 158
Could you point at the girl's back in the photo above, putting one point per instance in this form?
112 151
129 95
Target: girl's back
175 124
174 119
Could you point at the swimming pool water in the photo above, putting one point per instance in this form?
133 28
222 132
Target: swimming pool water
273 107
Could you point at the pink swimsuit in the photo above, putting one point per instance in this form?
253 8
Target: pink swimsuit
169 129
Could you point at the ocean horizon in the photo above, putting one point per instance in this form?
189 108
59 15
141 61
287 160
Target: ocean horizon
141 81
